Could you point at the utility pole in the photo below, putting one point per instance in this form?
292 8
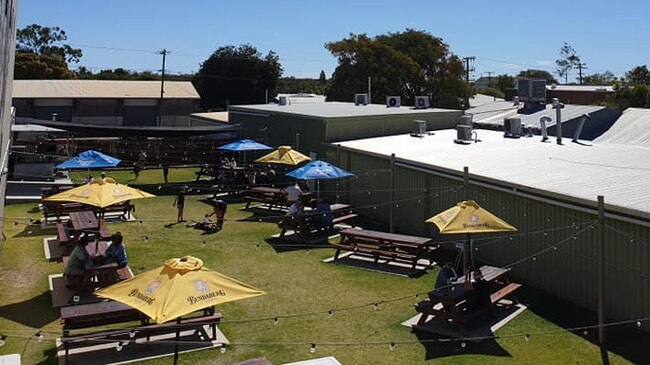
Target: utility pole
581 66
369 90
162 86
489 73
469 68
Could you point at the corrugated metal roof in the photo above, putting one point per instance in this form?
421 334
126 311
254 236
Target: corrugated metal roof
494 113
584 88
480 99
102 89
220 117
630 129
571 172
332 109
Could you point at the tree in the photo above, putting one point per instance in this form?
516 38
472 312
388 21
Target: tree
638 75
46 41
33 66
237 75
322 78
405 63
292 85
538 74
503 83
567 61
600 78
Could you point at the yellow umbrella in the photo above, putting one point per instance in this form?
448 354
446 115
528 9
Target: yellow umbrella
179 287
468 217
99 193
284 155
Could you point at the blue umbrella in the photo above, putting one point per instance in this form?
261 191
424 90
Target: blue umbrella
245 145
88 160
318 170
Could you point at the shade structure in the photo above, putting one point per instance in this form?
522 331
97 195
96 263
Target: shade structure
318 170
468 217
88 160
179 287
284 155
99 193
245 145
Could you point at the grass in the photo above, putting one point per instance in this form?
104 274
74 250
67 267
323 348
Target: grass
296 281
147 176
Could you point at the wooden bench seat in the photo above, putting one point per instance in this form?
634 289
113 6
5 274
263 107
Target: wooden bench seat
265 199
344 218
62 234
504 292
377 251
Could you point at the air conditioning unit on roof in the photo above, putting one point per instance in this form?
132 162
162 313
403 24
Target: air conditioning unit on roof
393 101
512 127
421 102
360 99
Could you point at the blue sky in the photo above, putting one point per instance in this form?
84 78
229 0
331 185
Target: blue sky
505 36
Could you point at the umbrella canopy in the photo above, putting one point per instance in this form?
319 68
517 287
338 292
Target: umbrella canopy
468 217
284 155
99 193
245 145
179 287
88 160
318 170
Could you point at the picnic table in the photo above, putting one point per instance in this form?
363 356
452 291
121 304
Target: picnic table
111 312
217 172
310 222
81 222
84 221
389 246
451 303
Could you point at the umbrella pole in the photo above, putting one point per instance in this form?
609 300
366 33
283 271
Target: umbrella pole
177 338
466 250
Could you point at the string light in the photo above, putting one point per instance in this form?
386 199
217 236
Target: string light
463 344
330 314
392 346
39 337
275 321
526 337
132 334
3 339
119 346
312 348
223 349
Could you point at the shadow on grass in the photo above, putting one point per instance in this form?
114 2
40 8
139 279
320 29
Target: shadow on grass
285 245
34 209
26 314
625 340
50 357
435 349
265 216
35 230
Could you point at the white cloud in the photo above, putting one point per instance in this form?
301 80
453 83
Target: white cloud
544 63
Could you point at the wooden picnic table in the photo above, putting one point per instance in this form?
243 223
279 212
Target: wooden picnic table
310 221
453 300
391 246
84 221
98 314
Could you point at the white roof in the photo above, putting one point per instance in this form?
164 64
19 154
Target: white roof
480 99
585 88
571 171
630 129
33 128
333 109
102 89
493 113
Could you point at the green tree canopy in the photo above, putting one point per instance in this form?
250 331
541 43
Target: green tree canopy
322 78
503 83
538 74
600 78
237 75
406 63
638 75
40 53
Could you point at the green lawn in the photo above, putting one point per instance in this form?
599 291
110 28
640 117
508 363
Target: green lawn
147 176
295 281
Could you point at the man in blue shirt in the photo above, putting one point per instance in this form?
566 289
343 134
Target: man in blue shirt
446 275
116 252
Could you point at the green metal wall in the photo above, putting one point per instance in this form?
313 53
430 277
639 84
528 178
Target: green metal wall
568 271
282 128
342 129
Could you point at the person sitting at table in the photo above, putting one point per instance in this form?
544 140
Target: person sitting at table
116 252
325 214
293 192
446 275
78 263
219 212
481 299
295 211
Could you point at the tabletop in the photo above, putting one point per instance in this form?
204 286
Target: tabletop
266 190
94 309
386 237
82 221
97 248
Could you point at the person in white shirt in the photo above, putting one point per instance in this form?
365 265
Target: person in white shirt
293 192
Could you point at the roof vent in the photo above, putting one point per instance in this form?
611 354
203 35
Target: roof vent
463 134
467 119
419 128
360 99
421 102
393 101
283 100
512 127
